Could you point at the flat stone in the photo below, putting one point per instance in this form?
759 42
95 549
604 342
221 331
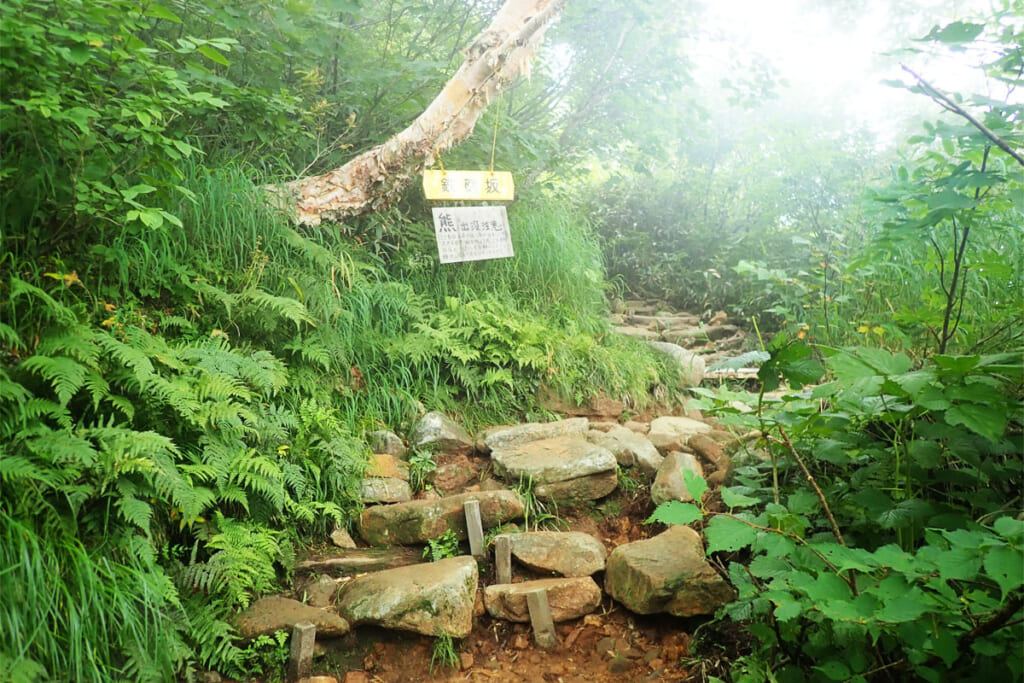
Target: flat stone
433 599
386 465
275 613
341 538
552 460
440 433
672 433
590 487
691 364
418 521
361 560
454 475
638 333
569 553
384 441
320 593
507 437
643 452
667 573
568 598
384 490
623 455
669 483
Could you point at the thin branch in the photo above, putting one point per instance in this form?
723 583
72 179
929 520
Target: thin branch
952 106
821 496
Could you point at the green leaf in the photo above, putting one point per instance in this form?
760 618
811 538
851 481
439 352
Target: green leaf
1010 528
956 33
902 609
695 484
213 55
728 533
1005 566
675 512
732 499
80 117
161 12
835 671
885 362
741 361
987 421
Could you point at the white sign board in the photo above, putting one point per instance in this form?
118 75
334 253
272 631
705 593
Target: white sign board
472 233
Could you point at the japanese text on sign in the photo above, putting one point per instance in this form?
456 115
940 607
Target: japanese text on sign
472 233
492 185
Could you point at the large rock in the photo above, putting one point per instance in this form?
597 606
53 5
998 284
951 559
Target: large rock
568 598
691 364
669 483
383 441
418 521
643 452
638 333
433 599
275 613
439 432
623 455
385 465
667 573
508 437
673 433
590 487
384 490
569 553
565 468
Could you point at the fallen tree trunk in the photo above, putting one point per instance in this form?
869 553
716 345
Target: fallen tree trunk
376 177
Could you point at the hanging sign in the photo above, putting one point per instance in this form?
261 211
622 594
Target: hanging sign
487 185
472 233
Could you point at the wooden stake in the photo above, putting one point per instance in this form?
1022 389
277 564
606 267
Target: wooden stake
540 619
301 663
503 558
475 527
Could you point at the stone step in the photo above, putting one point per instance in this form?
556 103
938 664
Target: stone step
418 521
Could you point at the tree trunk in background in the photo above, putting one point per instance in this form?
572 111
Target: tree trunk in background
375 178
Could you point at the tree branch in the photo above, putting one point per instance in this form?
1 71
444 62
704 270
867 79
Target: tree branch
952 106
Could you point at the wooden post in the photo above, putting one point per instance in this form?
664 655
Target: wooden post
301 663
503 558
475 527
540 619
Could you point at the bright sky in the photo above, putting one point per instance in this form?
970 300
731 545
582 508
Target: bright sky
828 63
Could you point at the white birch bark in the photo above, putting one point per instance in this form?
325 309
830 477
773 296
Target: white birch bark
376 177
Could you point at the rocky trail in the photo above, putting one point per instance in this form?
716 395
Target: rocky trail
567 501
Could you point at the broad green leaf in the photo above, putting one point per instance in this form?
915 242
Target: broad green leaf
732 499
901 609
80 117
789 610
161 12
884 362
1010 528
727 533
835 671
1005 566
213 55
955 33
675 512
741 361
989 422
695 484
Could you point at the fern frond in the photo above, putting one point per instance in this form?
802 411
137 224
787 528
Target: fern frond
286 307
64 374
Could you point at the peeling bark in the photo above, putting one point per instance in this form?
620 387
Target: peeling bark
374 179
